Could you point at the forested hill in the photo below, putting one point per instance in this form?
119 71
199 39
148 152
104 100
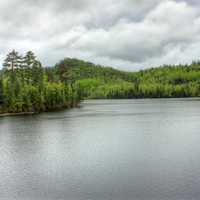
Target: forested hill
79 69
104 82
27 86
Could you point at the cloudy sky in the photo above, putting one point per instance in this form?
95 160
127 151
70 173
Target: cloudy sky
128 34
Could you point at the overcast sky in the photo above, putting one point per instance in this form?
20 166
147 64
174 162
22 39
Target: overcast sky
127 34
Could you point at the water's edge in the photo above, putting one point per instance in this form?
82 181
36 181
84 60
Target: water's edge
77 105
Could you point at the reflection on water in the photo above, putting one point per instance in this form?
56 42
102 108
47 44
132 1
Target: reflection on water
106 149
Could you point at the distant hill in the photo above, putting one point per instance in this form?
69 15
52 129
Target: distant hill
98 81
82 70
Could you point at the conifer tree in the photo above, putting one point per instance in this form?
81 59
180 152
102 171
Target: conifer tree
29 59
29 62
12 61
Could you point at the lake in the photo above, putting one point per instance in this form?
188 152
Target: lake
104 150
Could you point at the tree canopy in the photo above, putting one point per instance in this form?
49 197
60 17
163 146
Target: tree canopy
27 86
24 86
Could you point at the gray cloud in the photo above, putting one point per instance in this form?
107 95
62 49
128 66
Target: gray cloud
129 34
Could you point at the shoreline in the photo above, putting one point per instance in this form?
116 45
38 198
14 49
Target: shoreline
34 113
17 114
78 105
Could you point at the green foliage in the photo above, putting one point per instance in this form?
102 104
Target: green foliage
101 89
1 92
55 95
25 86
75 69
12 61
95 81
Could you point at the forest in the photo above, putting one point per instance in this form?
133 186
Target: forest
97 82
27 86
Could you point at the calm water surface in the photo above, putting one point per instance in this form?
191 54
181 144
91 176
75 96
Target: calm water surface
105 150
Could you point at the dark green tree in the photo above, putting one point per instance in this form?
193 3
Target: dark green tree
29 61
12 61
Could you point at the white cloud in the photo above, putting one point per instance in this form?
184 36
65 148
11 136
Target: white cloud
128 34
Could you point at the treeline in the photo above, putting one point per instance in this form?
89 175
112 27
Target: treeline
168 81
97 82
92 81
25 86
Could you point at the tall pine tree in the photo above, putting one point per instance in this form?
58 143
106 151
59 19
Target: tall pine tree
12 61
